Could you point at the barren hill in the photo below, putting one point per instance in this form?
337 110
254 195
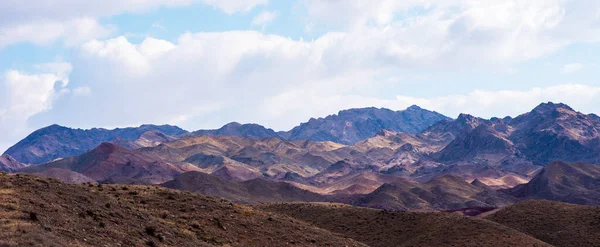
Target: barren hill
44 212
557 223
387 228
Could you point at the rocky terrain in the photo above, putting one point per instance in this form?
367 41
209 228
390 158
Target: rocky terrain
445 192
556 223
45 212
430 169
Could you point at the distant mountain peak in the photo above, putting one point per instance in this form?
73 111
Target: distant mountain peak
414 107
358 124
550 106
55 141
233 124
242 130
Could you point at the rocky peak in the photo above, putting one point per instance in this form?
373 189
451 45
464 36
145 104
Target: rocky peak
550 107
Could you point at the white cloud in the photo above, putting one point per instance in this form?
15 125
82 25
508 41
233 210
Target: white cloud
484 103
82 91
42 22
571 68
264 18
481 103
462 31
23 95
73 32
63 10
232 6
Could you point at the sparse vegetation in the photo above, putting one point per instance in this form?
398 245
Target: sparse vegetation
79 216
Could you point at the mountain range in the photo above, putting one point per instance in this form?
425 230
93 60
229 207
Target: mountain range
432 163
349 126
55 141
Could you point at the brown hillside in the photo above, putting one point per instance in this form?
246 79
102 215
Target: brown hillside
392 228
36 211
557 223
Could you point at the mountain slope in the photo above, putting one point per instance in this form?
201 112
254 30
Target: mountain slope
54 142
354 125
577 183
556 223
109 163
9 164
251 191
393 228
557 132
243 130
150 138
442 193
44 212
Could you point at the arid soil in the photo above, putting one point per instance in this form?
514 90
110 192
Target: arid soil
394 228
37 211
557 223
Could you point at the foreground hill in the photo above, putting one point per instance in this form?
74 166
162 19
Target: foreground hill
45 212
577 183
557 223
251 191
387 228
354 125
54 142
109 163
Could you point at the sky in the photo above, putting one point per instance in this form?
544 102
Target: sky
203 63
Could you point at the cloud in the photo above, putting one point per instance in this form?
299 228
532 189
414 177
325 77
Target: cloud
571 68
17 12
264 18
82 91
484 103
23 95
72 32
233 6
458 31
205 79
42 22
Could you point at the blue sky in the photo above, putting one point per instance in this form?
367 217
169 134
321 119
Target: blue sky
203 63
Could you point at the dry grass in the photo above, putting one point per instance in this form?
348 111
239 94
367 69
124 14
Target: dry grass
387 228
44 212
556 223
